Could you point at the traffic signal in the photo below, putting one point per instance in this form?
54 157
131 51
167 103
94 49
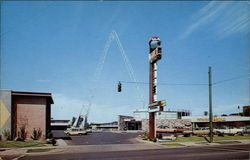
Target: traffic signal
119 87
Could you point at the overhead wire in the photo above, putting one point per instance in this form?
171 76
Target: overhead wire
146 83
230 79
186 84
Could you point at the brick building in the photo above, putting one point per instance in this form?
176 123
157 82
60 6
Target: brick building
246 110
31 110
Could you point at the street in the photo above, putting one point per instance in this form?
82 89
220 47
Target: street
186 153
100 138
125 146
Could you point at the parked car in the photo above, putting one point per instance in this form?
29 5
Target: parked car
197 131
229 131
246 130
76 131
181 129
165 129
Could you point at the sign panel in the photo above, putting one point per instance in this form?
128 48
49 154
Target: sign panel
153 104
215 119
154 109
155 55
162 103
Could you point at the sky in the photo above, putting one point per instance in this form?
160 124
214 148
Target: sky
59 47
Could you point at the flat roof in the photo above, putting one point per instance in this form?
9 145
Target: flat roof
33 94
59 121
59 124
217 119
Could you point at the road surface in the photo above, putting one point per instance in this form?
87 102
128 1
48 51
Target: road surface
225 152
101 138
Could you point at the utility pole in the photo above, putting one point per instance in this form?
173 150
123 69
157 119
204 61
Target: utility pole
210 104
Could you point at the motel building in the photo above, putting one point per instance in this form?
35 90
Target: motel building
219 122
29 110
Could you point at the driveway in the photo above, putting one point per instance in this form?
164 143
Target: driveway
101 138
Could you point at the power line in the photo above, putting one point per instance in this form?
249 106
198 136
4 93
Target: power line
176 84
231 79
185 84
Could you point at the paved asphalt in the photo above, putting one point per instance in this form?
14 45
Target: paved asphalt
226 152
123 146
101 138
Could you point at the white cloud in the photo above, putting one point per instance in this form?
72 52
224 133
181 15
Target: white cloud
235 20
224 17
65 107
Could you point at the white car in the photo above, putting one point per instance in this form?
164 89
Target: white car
76 131
229 131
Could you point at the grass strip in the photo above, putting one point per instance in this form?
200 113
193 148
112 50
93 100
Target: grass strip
14 144
228 142
39 150
216 138
172 144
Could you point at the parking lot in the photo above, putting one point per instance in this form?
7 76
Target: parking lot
99 138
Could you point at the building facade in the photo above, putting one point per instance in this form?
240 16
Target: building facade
25 110
219 122
59 124
111 126
246 110
140 119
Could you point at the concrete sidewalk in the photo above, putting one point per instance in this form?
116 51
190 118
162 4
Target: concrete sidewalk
197 143
16 153
146 145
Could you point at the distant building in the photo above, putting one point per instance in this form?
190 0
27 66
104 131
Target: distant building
59 124
219 122
246 110
31 110
128 123
140 118
141 114
111 126
233 120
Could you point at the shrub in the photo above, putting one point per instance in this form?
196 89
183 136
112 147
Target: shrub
7 134
144 135
37 134
159 136
50 135
221 134
187 135
53 141
22 134
153 139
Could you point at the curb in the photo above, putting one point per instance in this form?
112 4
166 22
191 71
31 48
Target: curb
18 157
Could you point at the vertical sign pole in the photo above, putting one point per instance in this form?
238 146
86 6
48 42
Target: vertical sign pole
154 56
210 104
151 100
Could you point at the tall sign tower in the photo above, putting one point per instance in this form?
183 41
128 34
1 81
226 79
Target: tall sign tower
155 53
